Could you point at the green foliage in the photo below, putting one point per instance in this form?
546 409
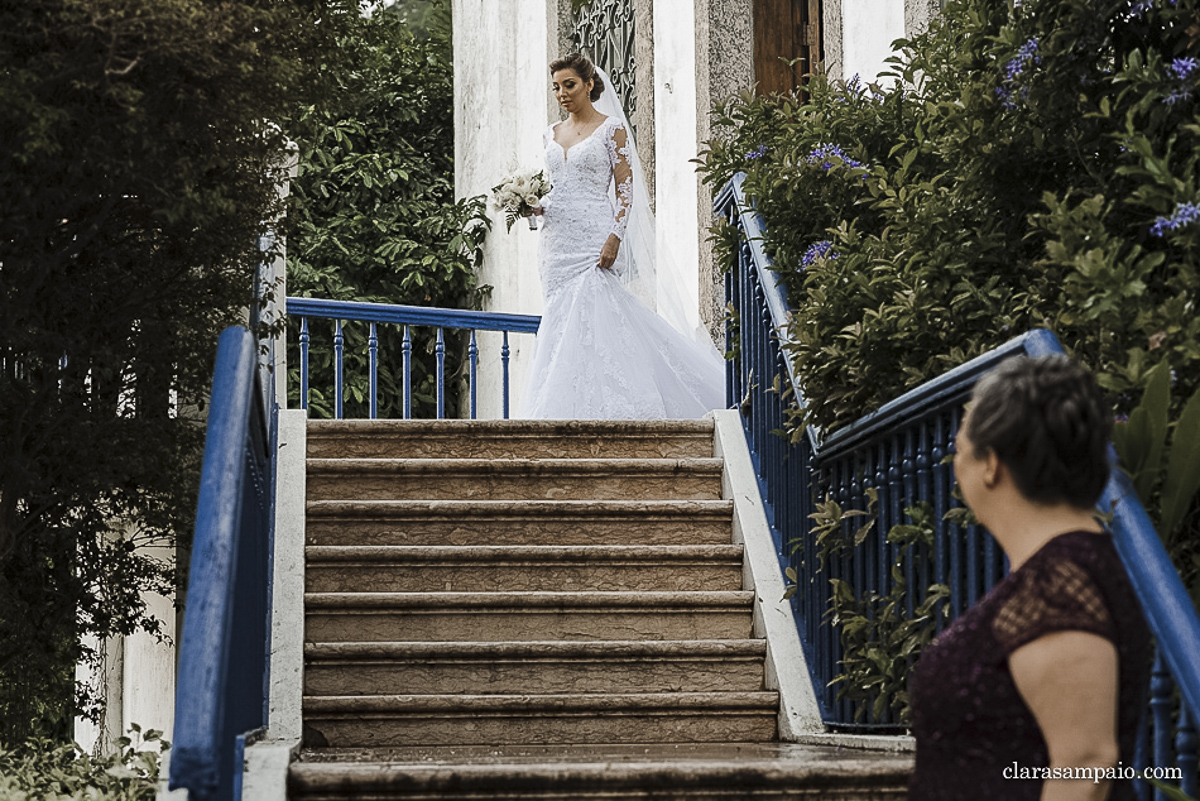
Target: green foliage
1023 165
372 215
136 176
880 637
1163 460
50 771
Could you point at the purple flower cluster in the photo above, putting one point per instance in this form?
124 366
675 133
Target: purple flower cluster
1185 214
1140 8
756 153
1014 69
824 154
818 250
1182 70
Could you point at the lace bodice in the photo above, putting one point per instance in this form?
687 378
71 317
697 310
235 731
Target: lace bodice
581 176
600 352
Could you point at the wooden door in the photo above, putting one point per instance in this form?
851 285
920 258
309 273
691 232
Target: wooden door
787 43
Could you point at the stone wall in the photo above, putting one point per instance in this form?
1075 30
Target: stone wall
724 35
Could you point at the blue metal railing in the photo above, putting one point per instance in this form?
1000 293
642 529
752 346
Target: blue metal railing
408 317
221 696
900 451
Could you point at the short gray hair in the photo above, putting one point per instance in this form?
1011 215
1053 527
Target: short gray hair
1048 422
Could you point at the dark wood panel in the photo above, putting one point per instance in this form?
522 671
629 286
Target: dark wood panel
785 31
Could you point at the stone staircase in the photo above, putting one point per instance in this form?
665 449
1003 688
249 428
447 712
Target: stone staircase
491 608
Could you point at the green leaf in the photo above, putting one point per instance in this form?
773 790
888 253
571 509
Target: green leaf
1183 467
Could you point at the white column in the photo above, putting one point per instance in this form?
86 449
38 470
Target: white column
868 29
501 86
149 676
675 110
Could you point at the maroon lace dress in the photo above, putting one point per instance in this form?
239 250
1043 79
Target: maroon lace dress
970 722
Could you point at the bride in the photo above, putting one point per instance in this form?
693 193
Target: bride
600 352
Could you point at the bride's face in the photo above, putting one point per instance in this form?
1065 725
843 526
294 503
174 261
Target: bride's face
571 91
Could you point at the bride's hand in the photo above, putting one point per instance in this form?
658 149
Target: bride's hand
608 253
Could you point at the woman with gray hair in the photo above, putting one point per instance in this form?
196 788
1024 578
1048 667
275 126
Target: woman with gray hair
1036 691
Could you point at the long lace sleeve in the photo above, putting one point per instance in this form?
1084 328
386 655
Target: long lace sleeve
618 156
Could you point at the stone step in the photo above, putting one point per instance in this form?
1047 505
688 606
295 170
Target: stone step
512 668
368 721
514 479
523 616
667 772
518 522
511 568
509 439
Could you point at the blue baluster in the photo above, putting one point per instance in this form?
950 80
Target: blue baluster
924 484
1141 756
908 477
504 362
1161 687
339 346
958 539
439 351
1185 750
878 469
473 358
373 358
406 357
730 387
941 502
304 363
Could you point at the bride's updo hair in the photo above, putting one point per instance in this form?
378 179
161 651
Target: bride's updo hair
582 66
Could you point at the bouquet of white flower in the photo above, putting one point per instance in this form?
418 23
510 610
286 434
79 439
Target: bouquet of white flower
518 194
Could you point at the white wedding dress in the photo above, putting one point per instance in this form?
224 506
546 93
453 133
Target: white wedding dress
600 352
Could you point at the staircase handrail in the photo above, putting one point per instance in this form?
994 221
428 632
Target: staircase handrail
733 196
432 316
911 434
223 654
374 314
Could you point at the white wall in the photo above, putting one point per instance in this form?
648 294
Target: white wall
868 29
676 145
501 89
136 677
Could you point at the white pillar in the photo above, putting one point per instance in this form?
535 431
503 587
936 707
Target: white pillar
868 29
500 111
676 144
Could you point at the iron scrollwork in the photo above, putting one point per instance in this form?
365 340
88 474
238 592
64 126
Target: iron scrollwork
604 32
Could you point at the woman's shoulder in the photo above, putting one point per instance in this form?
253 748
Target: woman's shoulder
1074 582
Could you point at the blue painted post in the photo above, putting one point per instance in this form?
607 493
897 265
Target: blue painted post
406 356
941 500
1141 756
1161 687
956 577
473 358
924 491
439 351
504 362
304 363
339 346
1185 749
730 394
373 359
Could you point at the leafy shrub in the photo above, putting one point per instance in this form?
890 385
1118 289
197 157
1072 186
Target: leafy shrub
50 771
372 214
1022 165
